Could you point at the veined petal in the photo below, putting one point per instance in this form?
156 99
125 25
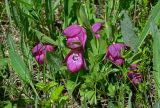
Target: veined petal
114 53
75 62
115 50
96 27
38 49
74 43
82 37
40 58
130 75
72 30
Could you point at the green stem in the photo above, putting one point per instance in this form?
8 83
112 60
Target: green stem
34 90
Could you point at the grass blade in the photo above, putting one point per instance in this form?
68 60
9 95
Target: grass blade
156 56
155 14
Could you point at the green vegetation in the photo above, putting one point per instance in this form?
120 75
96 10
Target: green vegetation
43 78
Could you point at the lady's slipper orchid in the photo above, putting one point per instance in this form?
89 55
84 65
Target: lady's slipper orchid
38 49
134 77
75 61
96 27
114 53
39 52
76 36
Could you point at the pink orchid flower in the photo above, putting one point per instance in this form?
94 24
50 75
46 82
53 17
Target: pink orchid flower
76 36
114 53
96 27
39 52
75 61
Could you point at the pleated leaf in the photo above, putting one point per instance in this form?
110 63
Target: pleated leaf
129 36
17 63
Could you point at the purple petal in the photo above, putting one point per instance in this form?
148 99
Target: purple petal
96 27
75 62
114 53
97 36
82 37
74 43
136 80
133 67
115 50
130 75
119 62
40 58
49 48
72 30
111 58
38 49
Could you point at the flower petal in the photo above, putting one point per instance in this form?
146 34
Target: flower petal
114 53
119 62
97 36
75 62
115 50
40 58
72 30
130 75
133 67
38 49
82 37
74 43
96 27
136 78
49 48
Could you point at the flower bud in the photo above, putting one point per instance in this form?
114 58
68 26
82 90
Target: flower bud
38 49
39 52
96 27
